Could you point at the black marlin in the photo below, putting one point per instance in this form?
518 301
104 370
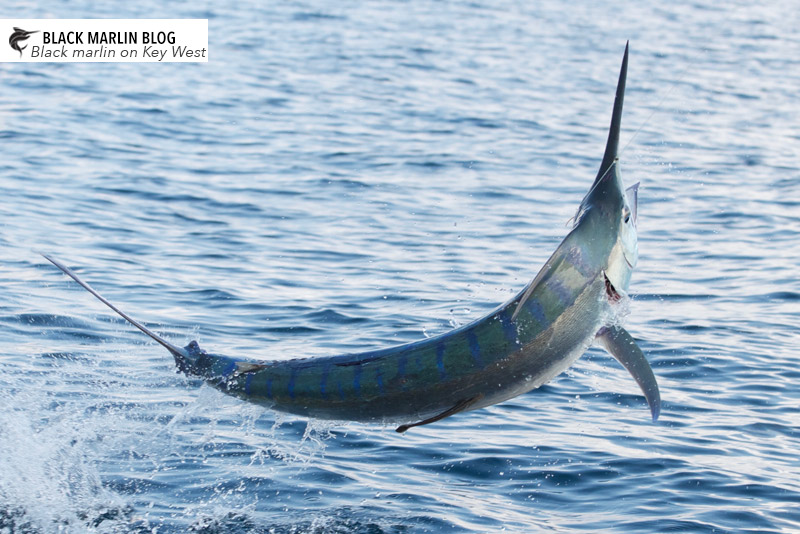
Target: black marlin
519 346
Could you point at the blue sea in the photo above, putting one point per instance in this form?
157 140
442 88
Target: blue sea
344 176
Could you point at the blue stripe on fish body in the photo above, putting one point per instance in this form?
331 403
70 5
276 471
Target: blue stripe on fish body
401 370
323 383
379 380
536 310
247 382
562 292
579 260
357 380
509 328
290 385
474 348
224 376
440 348
533 318
269 388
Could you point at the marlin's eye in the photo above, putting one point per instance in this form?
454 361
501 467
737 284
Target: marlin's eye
626 214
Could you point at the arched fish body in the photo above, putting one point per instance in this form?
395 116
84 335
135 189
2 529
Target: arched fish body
519 346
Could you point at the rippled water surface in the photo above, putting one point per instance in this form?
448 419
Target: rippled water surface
350 175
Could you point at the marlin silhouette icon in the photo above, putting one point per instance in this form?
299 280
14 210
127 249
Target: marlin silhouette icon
19 35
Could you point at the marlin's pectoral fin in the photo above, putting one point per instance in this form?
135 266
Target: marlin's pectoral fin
619 343
460 406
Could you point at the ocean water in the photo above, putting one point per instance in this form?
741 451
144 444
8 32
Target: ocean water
350 175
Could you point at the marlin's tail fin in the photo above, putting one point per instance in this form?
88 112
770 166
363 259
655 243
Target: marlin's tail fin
180 354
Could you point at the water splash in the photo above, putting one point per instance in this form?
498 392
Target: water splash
619 310
50 481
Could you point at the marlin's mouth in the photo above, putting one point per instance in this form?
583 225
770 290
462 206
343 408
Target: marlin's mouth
611 292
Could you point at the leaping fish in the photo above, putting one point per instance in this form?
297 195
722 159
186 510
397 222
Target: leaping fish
519 346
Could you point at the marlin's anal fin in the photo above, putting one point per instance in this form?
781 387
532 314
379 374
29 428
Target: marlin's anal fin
619 343
460 406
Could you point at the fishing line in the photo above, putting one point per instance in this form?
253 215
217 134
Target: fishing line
658 108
